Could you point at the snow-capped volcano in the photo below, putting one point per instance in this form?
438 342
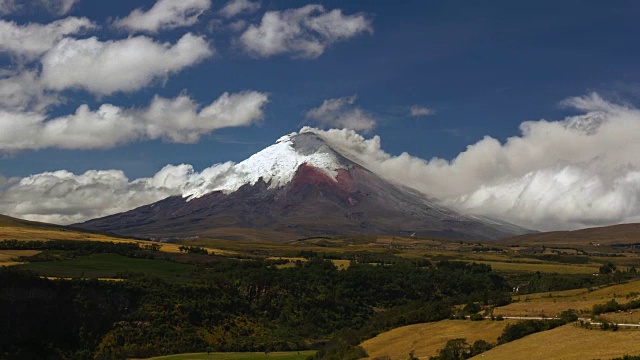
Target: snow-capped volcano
300 186
276 165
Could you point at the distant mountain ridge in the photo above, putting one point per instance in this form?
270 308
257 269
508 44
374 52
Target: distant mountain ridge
299 186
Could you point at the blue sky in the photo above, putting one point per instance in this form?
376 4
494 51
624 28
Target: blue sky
483 68
476 69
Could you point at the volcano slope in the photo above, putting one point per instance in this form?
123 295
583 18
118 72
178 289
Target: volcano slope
299 187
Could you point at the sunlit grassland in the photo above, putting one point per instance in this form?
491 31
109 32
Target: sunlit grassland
623 317
595 293
569 342
552 303
426 339
24 232
542 267
8 257
340 264
273 249
400 247
340 248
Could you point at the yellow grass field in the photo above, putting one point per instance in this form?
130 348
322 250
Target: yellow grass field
551 303
340 264
426 339
569 342
623 317
597 293
542 267
26 234
23 230
291 259
7 256
276 249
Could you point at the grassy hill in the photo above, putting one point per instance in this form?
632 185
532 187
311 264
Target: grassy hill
18 229
606 235
24 230
7 257
568 342
552 303
426 339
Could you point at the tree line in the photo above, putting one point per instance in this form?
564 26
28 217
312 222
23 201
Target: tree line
231 306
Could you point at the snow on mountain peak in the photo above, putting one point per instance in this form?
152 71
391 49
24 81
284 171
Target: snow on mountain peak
276 165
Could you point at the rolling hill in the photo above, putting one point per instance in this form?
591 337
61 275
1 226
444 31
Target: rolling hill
24 230
18 229
605 235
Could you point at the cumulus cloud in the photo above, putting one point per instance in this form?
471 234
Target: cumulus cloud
237 7
557 174
176 120
165 14
24 90
114 66
420 111
305 32
576 172
341 113
32 40
62 197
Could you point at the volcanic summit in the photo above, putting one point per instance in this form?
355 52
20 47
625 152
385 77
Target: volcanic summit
300 186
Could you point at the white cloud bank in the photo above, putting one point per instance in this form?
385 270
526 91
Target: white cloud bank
63 197
22 91
305 32
580 171
341 113
30 41
164 15
112 66
175 120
